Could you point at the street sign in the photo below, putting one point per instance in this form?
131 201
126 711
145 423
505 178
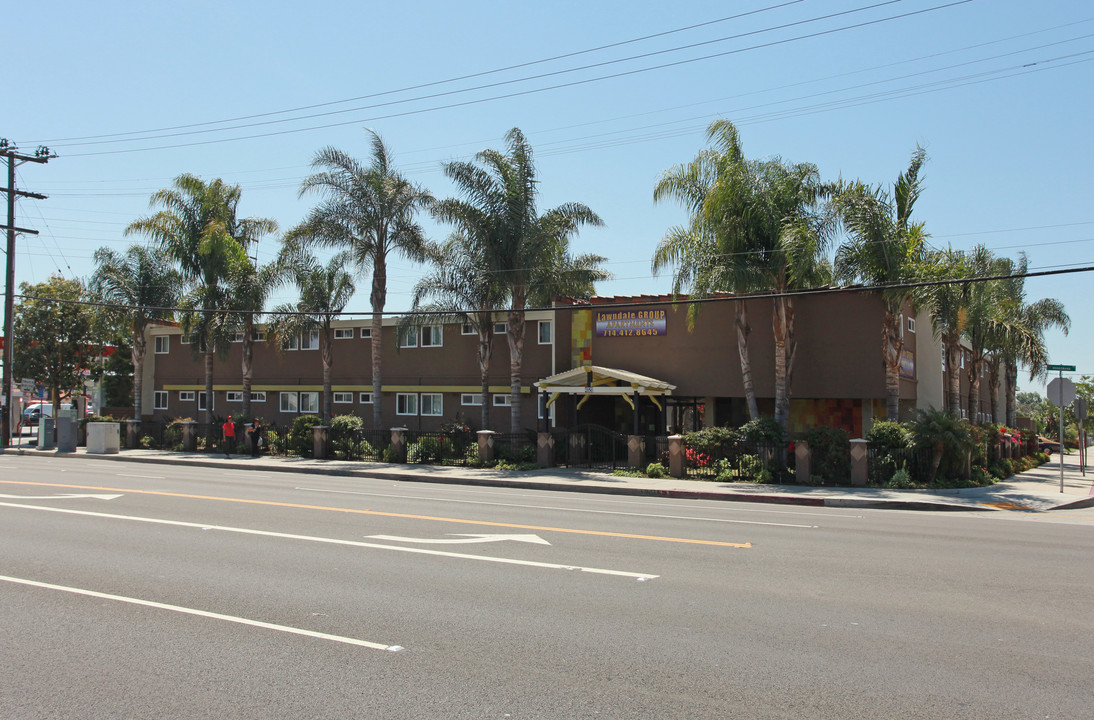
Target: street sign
1080 408
26 385
1061 391
1063 368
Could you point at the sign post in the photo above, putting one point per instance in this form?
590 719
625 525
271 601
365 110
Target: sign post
1061 392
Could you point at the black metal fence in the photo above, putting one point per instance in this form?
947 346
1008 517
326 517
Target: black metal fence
441 448
883 462
359 444
739 461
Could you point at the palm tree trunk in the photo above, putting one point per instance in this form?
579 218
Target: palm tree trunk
743 330
209 354
516 360
379 297
953 373
782 400
327 355
993 388
892 345
974 390
247 365
140 347
485 351
1010 372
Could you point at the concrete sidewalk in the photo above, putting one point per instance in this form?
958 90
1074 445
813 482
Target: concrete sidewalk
1032 491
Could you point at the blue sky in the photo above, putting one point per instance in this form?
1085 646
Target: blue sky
997 91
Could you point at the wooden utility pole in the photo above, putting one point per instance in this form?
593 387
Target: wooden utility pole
15 159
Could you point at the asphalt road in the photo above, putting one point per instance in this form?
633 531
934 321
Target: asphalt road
195 592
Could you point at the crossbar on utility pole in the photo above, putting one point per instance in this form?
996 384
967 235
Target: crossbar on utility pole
14 159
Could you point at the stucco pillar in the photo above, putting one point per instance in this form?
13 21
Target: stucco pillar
320 435
676 456
545 450
189 438
636 451
803 462
398 444
486 445
132 434
859 455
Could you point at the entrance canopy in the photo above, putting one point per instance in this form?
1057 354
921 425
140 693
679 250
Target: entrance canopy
594 380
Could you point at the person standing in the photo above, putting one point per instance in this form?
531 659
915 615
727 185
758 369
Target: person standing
229 430
256 438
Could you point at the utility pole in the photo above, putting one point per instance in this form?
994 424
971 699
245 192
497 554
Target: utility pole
15 159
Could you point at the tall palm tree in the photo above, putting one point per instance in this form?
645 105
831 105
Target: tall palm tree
756 225
200 230
325 290
947 303
462 284
144 282
527 252
884 248
369 211
251 285
986 316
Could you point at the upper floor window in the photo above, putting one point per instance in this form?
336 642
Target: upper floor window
468 329
471 399
911 324
237 337
309 340
546 332
159 400
292 342
501 400
408 338
343 397
343 333
163 344
366 332
500 328
432 336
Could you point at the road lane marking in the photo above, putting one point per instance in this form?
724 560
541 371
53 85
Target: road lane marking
336 541
464 539
59 497
405 516
142 477
565 509
204 614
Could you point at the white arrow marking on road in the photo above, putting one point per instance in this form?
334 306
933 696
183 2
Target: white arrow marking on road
463 538
59 497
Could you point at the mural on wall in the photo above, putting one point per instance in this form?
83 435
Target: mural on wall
631 323
581 339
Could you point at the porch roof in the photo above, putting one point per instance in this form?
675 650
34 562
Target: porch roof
604 381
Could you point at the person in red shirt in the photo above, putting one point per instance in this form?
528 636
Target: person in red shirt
229 430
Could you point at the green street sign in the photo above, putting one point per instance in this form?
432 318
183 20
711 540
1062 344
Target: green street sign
1065 368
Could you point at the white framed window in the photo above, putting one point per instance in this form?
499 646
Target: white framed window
546 332
408 338
432 336
309 402
365 398
471 399
468 329
290 402
343 333
292 342
911 324
432 404
234 396
343 397
500 328
184 339
163 344
259 396
159 401
503 400
186 396
237 337
201 401
366 332
406 404
550 410
259 336
309 340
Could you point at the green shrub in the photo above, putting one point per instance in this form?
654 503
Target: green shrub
275 442
888 434
301 439
981 477
148 442
714 442
901 479
831 453
763 431
947 436
345 441
628 472
430 450
656 470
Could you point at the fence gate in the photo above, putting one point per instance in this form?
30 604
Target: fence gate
594 446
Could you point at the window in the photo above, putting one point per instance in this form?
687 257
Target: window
289 402
500 328
292 342
235 396
309 340
911 324
365 398
259 336
408 337
550 411
163 344
366 332
309 402
237 337
186 396
343 397
505 400
432 336
259 396
545 332
471 399
160 400
201 401
184 339
432 404
468 329
343 333
406 404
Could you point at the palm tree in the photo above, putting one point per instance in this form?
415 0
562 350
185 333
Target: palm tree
462 285
199 229
987 319
767 231
947 303
528 253
884 248
143 281
251 285
369 211
325 290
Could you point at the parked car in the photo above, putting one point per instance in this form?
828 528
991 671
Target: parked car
1047 446
33 413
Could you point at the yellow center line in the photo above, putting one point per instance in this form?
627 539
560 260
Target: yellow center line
487 523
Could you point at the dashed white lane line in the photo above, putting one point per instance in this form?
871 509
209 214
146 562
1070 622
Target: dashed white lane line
142 477
203 613
336 541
